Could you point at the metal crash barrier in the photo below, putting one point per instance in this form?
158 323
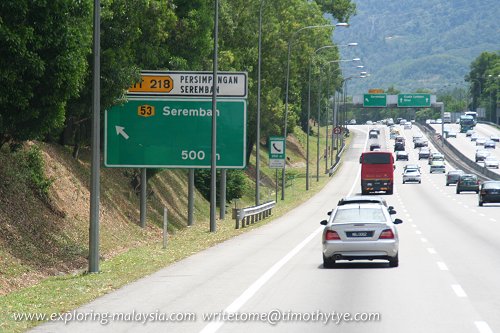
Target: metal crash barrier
252 214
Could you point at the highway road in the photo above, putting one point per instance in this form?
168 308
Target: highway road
447 280
468 147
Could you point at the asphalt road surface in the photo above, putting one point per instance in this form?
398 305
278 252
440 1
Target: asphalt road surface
447 281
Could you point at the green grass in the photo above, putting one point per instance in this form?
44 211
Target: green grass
64 293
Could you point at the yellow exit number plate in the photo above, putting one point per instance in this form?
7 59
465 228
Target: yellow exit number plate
145 110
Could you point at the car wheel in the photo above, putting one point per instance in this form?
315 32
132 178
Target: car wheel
480 203
328 262
403 181
477 192
420 182
394 262
390 191
447 184
458 192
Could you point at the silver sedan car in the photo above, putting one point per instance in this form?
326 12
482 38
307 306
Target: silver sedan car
360 232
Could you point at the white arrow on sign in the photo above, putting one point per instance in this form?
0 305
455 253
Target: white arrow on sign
121 131
366 99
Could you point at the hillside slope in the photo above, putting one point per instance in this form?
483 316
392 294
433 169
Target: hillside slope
421 44
43 235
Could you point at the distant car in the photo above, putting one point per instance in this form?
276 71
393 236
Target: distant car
374 146
360 232
407 125
491 162
369 122
489 192
373 134
481 155
412 175
468 182
469 133
435 157
424 153
474 137
452 176
417 136
433 121
352 122
437 166
402 156
480 141
495 138
489 144
451 134
411 166
439 121
393 135
399 146
418 143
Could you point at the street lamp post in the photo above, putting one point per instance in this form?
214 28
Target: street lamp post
257 145
309 103
287 85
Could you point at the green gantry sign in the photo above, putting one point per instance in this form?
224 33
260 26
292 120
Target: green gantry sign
374 100
175 133
414 100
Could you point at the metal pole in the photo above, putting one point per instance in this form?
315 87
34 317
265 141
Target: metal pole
287 84
308 127
276 194
442 124
144 187
190 197
96 156
259 62
327 120
222 194
319 119
213 164
165 227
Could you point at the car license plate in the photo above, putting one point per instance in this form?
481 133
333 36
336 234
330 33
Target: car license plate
359 233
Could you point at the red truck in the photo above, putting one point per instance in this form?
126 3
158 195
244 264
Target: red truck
377 172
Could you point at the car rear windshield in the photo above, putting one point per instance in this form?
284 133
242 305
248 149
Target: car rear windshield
495 185
377 159
359 215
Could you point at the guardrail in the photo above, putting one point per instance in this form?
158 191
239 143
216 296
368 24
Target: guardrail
472 165
252 214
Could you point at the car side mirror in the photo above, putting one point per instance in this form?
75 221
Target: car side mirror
392 212
398 221
324 222
390 208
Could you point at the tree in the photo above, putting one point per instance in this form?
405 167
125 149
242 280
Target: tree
43 45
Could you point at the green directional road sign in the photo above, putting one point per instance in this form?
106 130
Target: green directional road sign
414 100
374 100
277 148
175 133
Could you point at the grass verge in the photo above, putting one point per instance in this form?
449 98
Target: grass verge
64 293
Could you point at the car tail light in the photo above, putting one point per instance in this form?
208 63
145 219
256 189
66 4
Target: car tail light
332 235
386 234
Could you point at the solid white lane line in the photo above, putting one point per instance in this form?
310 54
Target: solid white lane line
254 288
442 266
431 250
458 290
483 327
